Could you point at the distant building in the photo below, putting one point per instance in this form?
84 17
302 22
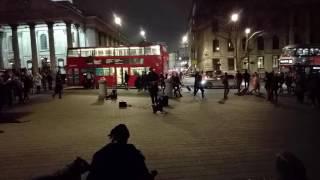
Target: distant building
218 44
34 32
172 60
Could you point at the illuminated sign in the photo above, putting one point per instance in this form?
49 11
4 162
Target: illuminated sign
286 61
316 68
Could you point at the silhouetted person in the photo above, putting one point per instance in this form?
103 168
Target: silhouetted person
239 79
289 167
50 79
126 80
225 82
153 79
176 85
59 86
119 160
198 84
246 78
300 88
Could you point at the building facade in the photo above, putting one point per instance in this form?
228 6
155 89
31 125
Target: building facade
34 32
218 44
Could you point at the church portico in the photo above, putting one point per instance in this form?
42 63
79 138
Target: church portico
28 42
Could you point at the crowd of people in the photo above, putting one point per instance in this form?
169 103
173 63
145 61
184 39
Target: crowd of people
16 87
300 85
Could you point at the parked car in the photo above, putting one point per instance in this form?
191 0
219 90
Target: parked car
216 82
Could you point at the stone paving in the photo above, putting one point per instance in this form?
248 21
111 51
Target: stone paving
197 140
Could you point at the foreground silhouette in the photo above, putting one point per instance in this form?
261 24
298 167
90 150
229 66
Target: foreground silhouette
289 167
119 160
71 172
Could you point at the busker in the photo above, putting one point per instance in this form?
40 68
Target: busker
198 84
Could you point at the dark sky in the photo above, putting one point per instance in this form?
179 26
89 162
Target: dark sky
163 20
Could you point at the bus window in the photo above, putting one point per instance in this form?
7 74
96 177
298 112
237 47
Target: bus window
155 50
147 51
104 71
137 70
99 52
136 51
121 51
109 51
86 52
74 53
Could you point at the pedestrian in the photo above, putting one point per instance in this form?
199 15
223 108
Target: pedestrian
162 83
274 87
50 79
281 78
2 92
198 84
59 86
267 85
255 84
44 81
288 81
126 80
300 87
144 81
246 78
119 160
168 90
239 79
37 82
138 83
153 80
312 89
225 82
27 85
176 85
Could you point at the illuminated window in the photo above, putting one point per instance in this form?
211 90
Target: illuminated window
43 42
137 70
245 63
136 51
216 46
260 62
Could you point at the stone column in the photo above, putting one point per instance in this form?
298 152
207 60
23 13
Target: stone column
69 34
78 35
1 55
15 47
52 50
35 67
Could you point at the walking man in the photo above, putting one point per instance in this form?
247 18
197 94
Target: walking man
152 80
198 84
246 78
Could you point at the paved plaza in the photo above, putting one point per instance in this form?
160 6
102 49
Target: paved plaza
196 140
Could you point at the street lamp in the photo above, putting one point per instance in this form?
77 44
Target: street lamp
234 17
143 34
185 39
118 22
247 53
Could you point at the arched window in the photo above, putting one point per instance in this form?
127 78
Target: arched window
43 42
275 42
260 43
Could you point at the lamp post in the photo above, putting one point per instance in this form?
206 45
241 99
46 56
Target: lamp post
247 52
185 42
234 19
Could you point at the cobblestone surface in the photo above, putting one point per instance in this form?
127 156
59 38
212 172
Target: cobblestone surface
196 140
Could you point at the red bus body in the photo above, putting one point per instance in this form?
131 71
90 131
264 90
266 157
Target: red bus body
111 63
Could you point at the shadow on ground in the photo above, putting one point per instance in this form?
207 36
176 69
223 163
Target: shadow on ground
13 117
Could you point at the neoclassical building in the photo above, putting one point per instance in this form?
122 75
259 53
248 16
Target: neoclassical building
33 32
218 44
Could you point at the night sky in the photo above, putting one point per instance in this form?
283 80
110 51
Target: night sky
163 20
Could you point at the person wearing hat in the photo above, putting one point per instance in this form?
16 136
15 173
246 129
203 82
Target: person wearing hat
119 160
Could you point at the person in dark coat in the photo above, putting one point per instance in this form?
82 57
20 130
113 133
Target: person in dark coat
176 85
2 92
119 160
50 79
246 78
59 86
153 80
198 84
225 82
239 79
126 80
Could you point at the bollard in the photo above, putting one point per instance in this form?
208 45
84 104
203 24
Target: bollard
102 89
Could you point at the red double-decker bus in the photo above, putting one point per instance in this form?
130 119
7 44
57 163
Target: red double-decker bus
111 63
